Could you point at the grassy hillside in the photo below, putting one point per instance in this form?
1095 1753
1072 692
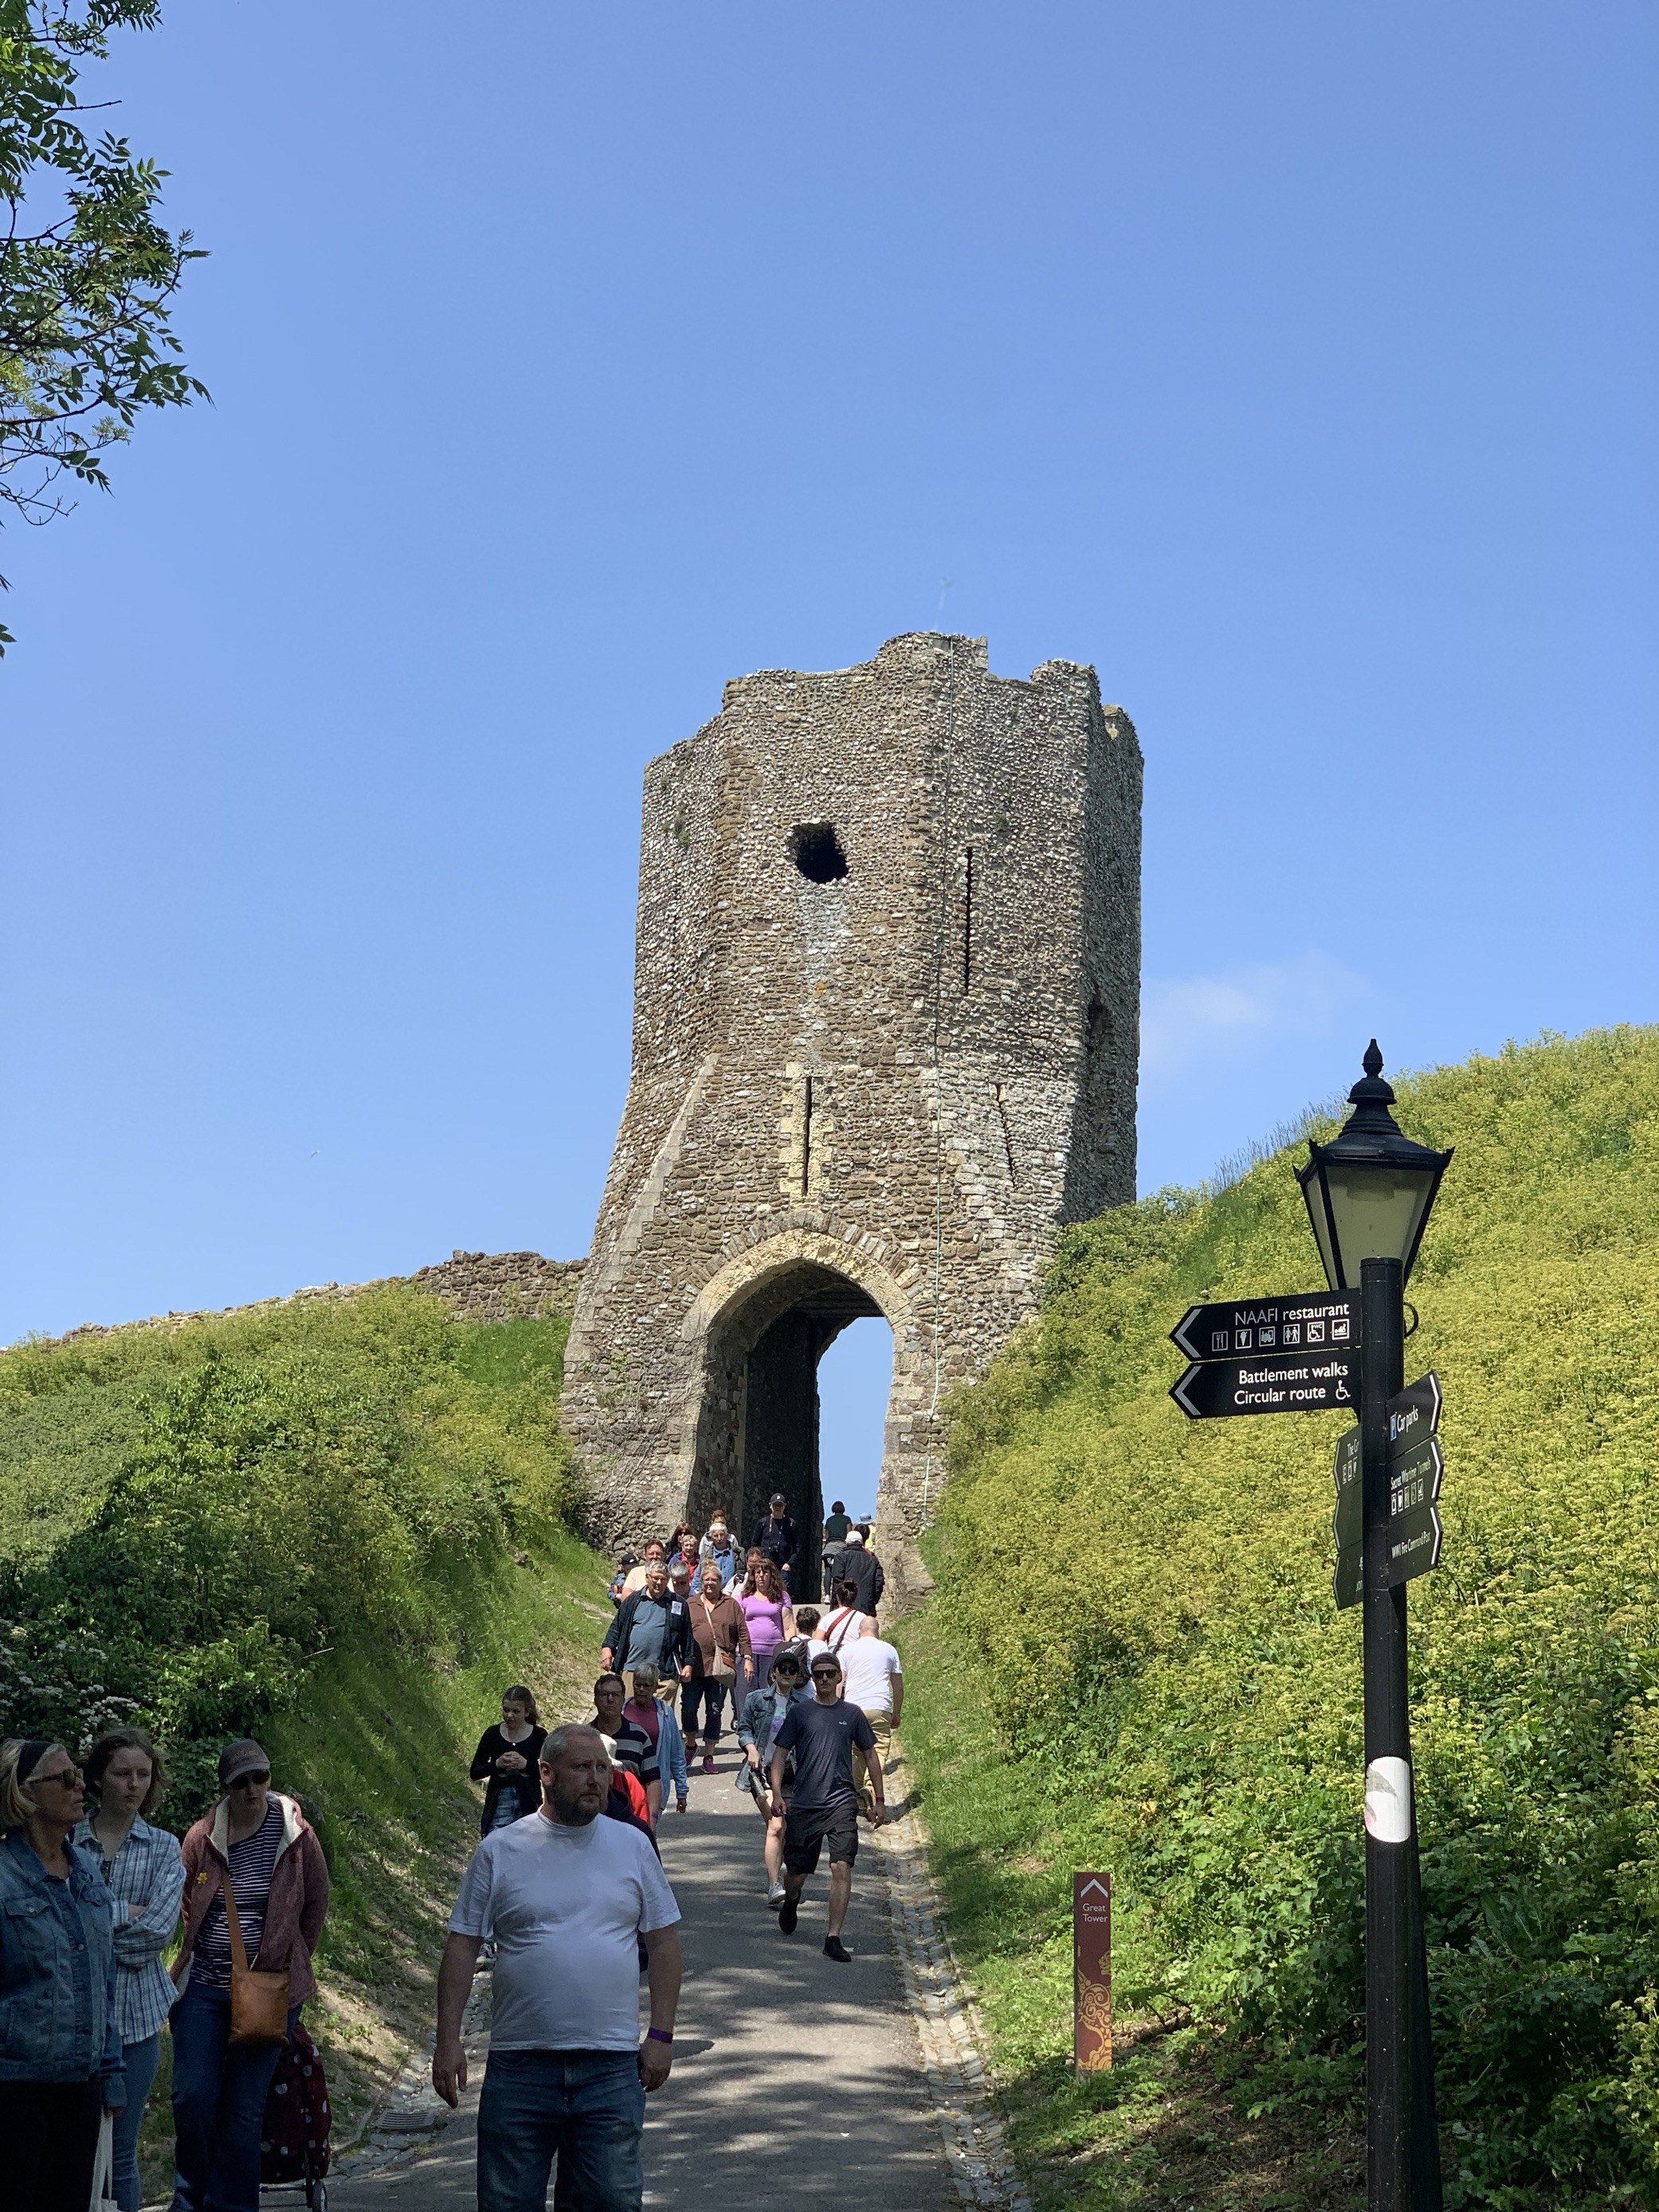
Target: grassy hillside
1133 1660
341 1525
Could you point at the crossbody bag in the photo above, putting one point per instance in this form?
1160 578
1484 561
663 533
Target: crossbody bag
722 1670
258 1998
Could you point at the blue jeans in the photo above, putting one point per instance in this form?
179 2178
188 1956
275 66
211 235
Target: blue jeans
219 2092
585 2108
141 2058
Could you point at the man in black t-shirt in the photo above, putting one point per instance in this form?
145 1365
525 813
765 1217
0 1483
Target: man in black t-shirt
825 1807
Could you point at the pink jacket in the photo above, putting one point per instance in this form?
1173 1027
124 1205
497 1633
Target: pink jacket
298 1902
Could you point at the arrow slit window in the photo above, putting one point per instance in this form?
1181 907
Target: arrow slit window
967 919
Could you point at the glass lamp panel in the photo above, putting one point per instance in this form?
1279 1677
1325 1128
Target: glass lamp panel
1313 1191
1378 1212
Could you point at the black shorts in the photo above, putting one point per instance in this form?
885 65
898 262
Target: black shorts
807 1828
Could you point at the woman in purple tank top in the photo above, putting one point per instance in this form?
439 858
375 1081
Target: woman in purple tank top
770 1618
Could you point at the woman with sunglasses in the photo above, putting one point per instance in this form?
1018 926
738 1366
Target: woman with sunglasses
759 1722
279 1879
61 2064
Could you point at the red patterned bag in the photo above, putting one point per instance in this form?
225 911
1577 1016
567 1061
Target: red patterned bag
294 2144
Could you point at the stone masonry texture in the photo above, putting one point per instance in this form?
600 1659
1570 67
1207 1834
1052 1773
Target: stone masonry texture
885 1044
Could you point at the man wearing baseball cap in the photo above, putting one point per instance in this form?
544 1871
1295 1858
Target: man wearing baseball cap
824 1807
774 1534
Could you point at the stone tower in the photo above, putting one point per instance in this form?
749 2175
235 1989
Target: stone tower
886 1041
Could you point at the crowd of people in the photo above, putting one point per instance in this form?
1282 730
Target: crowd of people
89 1903
565 1892
814 1691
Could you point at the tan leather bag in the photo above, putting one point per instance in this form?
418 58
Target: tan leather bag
258 2000
722 1670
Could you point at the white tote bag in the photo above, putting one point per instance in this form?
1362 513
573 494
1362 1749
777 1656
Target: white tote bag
103 2168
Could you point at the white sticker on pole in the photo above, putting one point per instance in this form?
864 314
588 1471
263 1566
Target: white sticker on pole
1389 1801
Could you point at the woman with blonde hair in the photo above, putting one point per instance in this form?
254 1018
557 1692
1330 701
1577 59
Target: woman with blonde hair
506 1761
61 2063
144 1872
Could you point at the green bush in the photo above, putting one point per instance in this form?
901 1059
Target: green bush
236 1499
1172 1683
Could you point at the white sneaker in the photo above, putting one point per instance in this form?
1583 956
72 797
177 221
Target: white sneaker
775 1897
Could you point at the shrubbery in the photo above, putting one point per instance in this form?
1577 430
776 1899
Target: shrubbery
1167 1668
190 1519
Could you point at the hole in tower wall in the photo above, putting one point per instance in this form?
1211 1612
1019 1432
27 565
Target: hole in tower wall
816 849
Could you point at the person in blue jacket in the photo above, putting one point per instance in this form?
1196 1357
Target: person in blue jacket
62 2066
757 1723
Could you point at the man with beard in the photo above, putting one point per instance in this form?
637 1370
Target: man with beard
566 1899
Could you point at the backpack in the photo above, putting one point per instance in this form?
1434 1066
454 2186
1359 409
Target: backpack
293 2140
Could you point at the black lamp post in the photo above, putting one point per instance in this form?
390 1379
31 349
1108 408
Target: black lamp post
1368 1195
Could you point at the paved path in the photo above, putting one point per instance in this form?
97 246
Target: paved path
791 2074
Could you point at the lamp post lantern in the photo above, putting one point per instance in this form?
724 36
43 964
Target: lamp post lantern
1368 1195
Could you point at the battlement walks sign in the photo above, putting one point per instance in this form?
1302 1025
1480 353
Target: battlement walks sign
1091 1972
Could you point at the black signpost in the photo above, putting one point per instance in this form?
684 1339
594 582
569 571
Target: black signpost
1368 1194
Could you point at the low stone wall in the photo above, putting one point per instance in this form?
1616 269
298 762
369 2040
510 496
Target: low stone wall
502 1286
477 1285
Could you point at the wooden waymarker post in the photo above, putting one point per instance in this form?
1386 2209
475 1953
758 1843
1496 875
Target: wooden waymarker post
1091 1972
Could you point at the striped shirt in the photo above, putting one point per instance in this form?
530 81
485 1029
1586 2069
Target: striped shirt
147 1871
252 1863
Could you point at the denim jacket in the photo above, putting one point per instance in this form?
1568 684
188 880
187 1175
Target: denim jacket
754 1725
58 2019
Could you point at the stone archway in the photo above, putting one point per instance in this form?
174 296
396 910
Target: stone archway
757 1333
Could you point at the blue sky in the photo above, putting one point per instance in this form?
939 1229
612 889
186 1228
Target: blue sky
1294 365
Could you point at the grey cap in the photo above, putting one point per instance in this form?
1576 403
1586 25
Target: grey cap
242 1756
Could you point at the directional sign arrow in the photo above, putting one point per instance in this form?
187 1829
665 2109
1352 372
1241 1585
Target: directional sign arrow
1414 1544
1413 1413
1301 1321
1414 1477
1348 1582
1220 1389
1348 1520
1413 1480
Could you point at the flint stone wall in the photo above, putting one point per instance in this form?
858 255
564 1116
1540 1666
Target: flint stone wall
875 1086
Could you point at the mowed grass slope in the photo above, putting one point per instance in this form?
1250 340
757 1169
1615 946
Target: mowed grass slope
1133 1661
340 1524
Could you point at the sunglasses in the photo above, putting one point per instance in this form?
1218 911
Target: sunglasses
68 1775
251 1781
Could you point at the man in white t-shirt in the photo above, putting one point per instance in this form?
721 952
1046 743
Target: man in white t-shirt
872 1679
565 1897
